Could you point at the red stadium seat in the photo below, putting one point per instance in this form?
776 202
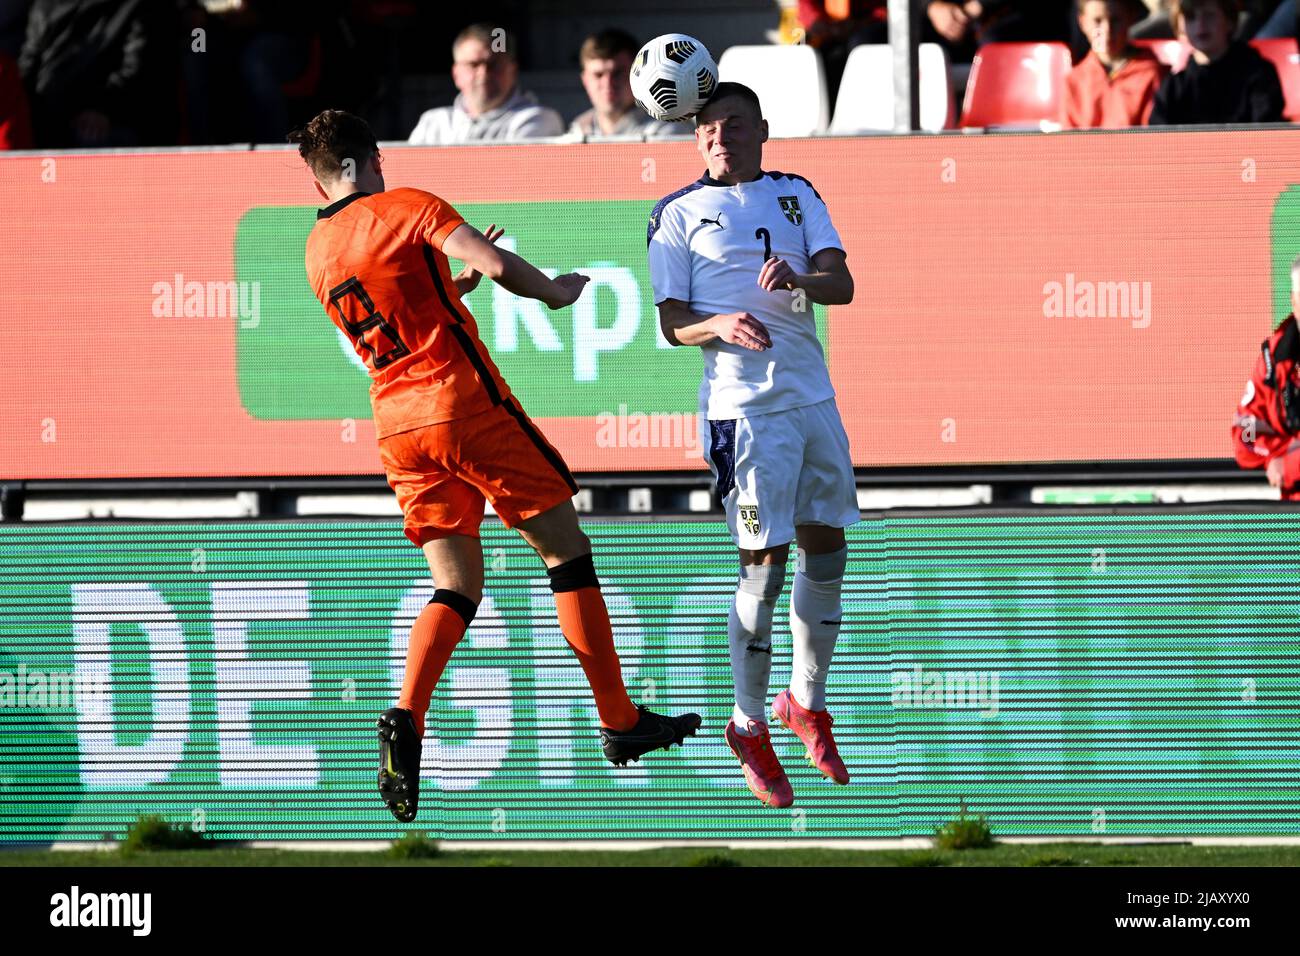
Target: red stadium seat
1282 53
1172 53
1016 84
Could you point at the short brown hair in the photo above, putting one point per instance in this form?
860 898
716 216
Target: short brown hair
739 90
331 138
1179 8
608 44
1136 8
487 34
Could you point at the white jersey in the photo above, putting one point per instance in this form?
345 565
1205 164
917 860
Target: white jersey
708 242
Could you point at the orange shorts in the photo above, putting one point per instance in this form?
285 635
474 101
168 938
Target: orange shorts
443 473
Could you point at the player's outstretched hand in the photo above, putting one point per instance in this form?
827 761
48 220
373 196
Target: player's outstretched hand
567 289
741 328
776 274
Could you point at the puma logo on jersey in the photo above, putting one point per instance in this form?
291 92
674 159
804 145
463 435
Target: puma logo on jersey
717 222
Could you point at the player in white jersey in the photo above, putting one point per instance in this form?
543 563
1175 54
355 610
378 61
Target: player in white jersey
736 260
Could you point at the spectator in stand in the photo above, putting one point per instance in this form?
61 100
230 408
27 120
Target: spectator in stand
964 27
490 105
835 27
606 58
15 123
1259 18
96 72
254 50
1115 85
1267 423
1225 81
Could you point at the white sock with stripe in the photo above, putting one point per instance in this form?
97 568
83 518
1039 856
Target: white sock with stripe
815 613
749 636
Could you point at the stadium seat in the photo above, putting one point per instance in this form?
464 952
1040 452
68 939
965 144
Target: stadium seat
866 98
1172 53
1016 85
1283 54
790 83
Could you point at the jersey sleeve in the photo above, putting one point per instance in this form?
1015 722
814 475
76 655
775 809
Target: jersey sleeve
670 257
818 230
431 220
1257 435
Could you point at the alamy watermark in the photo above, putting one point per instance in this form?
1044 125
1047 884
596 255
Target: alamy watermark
52 690
624 429
946 690
192 299
1084 299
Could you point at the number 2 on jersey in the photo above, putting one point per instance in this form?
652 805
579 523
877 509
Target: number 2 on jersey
762 233
357 310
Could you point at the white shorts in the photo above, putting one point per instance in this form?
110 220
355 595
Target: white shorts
777 471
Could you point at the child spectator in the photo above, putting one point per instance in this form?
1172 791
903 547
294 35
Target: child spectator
1268 419
1115 85
1225 81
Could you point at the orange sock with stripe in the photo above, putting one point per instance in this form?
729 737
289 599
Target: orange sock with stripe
584 621
434 636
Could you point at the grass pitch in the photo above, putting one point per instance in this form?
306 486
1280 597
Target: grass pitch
1016 855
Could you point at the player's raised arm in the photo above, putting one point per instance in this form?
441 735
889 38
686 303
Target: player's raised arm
510 271
681 326
468 278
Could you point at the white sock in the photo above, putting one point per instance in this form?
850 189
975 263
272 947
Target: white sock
815 613
749 635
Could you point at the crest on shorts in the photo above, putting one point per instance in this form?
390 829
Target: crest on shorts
790 206
749 518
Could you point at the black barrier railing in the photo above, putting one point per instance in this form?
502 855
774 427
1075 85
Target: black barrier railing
1009 484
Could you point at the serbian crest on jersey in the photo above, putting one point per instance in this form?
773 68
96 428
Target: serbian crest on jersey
749 518
790 206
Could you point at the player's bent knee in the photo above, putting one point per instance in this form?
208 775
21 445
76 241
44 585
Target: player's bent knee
764 581
463 605
556 535
826 567
765 556
555 551
573 575
820 538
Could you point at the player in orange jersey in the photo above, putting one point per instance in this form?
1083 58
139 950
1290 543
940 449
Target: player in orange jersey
450 434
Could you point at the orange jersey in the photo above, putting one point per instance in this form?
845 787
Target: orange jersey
1093 99
376 264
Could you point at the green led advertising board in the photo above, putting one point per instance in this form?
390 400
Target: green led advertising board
1064 672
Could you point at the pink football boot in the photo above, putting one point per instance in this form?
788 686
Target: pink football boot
813 727
763 772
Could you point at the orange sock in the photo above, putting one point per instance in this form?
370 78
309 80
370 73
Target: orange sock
434 636
584 621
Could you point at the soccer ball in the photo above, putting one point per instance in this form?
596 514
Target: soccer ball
673 76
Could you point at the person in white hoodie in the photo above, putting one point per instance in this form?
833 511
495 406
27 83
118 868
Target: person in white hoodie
490 105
